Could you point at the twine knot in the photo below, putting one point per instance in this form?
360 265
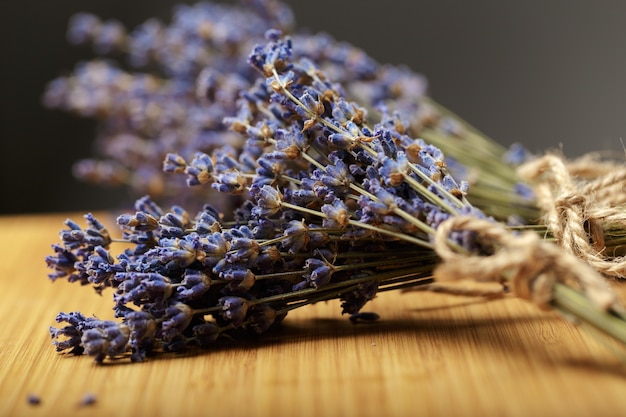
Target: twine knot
567 202
531 265
579 206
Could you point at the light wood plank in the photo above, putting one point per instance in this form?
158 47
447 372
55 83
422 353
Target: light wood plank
430 354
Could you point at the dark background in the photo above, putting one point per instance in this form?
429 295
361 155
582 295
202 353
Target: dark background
546 73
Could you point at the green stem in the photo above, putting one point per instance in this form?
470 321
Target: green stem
575 303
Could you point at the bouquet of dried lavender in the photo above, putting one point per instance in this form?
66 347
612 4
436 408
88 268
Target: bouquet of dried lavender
333 207
185 78
295 240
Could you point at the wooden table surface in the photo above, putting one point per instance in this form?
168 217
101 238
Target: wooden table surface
430 354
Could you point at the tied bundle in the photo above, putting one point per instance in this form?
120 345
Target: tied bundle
326 198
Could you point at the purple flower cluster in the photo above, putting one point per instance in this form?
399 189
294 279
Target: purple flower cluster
180 80
183 78
327 203
186 285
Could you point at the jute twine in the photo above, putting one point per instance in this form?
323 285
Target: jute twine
581 200
530 264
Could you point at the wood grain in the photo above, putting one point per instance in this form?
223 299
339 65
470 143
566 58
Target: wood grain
430 354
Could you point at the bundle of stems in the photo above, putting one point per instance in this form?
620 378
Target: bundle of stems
327 205
577 203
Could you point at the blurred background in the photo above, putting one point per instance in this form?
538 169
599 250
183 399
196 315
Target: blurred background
547 73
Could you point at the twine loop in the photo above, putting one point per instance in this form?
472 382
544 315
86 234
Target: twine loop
580 201
530 264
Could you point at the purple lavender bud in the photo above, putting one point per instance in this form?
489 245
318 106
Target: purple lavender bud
296 236
263 229
290 141
62 262
194 285
142 288
435 215
74 318
343 111
33 399
174 163
54 95
141 324
267 258
101 267
82 28
309 102
232 182
128 288
176 320
156 284
178 252
110 37
240 232
524 191
317 238
517 154
434 151
88 399
95 233
320 272
387 143
207 221
67 331
267 167
326 194
341 140
275 55
200 170
205 334
240 278
174 223
140 221
336 176
300 197
243 250
449 184
234 309
226 159
262 317
106 338
206 83
96 344
356 170
143 41
273 35
146 205
353 301
214 248
257 57
269 201
337 214
74 237
142 327
386 200
392 170
300 286
284 79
